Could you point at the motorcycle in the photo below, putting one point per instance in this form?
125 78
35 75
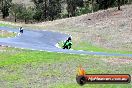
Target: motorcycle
67 45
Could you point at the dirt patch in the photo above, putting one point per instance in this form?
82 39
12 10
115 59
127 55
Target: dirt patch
118 61
3 47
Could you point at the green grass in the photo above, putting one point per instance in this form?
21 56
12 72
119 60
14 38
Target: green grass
25 66
11 25
89 47
5 34
12 77
71 85
51 73
4 25
34 56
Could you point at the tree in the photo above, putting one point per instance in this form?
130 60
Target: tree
54 9
47 9
72 6
37 15
91 4
5 5
105 4
41 9
19 11
80 3
1 4
15 10
27 14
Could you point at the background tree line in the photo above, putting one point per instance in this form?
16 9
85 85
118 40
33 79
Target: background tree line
44 10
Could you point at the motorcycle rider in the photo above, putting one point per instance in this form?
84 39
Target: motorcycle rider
21 30
67 43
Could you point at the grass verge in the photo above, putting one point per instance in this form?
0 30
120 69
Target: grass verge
6 34
27 68
89 47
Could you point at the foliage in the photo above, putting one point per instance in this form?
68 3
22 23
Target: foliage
19 11
5 5
15 10
53 9
47 10
27 13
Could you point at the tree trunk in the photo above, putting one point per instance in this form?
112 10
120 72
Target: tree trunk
45 11
119 2
25 21
15 18
92 6
2 9
52 18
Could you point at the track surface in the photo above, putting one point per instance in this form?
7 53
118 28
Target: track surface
45 41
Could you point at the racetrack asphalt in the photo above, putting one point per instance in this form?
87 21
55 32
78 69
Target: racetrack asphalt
45 41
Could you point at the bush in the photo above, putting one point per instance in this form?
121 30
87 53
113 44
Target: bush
19 11
83 10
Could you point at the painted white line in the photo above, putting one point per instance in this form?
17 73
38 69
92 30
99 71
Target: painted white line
32 49
59 52
41 50
80 50
71 53
57 45
49 51
22 48
83 54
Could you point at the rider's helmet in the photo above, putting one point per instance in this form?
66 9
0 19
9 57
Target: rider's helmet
20 28
69 38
